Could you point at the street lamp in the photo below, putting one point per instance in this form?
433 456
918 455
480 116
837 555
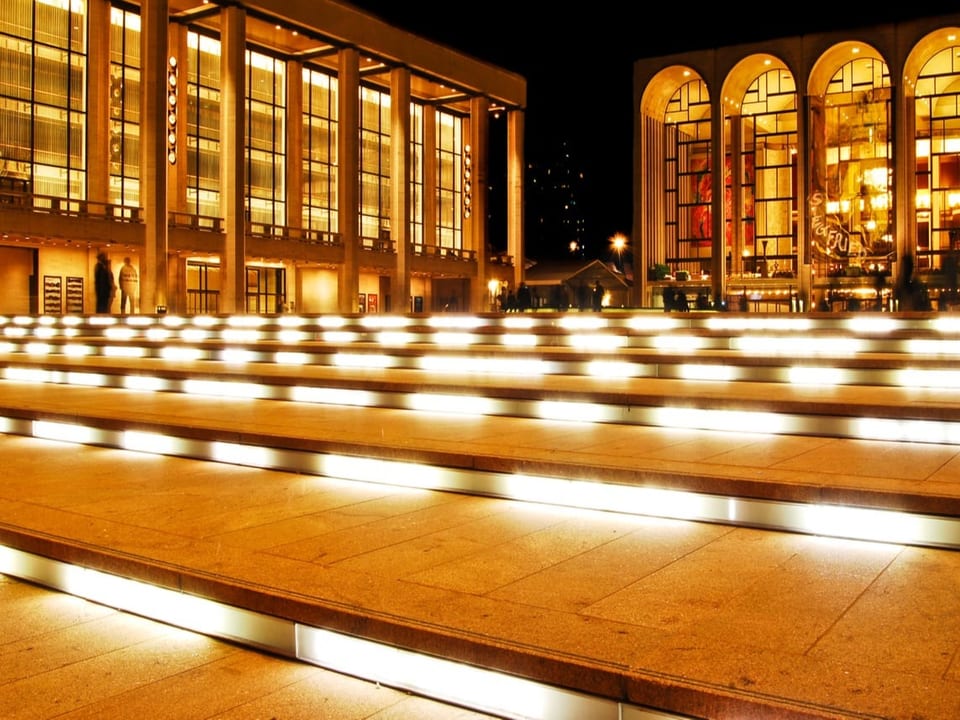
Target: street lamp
619 243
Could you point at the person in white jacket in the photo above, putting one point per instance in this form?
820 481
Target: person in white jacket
129 287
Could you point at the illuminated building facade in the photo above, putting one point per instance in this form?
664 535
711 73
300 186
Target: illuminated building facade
803 169
250 157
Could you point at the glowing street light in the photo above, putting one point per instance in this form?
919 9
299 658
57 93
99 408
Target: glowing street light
619 243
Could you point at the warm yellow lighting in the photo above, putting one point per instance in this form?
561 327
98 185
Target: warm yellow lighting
149 442
596 342
519 340
384 321
582 322
682 343
822 376
291 358
611 369
65 432
706 372
460 404
479 365
238 356
571 411
454 339
240 335
37 348
124 351
181 354
237 454
363 360
338 337
148 383
218 388
332 396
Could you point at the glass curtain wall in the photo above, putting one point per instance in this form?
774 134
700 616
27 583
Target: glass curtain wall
688 191
449 180
768 177
43 97
374 164
265 139
319 152
852 174
124 108
203 125
937 96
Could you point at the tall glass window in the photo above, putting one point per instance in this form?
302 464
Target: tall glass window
768 174
374 163
266 133
416 175
852 227
938 159
43 96
449 180
688 178
203 125
320 158
124 107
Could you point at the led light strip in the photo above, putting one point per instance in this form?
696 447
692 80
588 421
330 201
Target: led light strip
837 521
433 677
760 422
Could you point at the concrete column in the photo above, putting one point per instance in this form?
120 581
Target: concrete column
153 152
232 154
348 181
400 181
177 173
98 103
905 176
515 197
294 145
475 226
294 172
801 192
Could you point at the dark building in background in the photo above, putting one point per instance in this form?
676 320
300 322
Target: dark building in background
557 212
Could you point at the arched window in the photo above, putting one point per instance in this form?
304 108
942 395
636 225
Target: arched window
937 95
851 208
689 182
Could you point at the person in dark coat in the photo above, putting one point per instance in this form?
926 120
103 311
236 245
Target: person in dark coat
597 296
104 285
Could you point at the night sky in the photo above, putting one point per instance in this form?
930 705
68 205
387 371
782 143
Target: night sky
578 66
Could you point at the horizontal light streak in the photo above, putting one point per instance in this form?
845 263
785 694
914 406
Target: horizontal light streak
460 404
333 396
224 388
690 371
933 347
363 360
946 379
740 322
481 365
798 346
596 342
824 376
440 679
526 340
612 369
680 343
181 353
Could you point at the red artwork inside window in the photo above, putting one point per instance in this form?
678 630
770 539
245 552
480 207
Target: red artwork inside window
703 196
